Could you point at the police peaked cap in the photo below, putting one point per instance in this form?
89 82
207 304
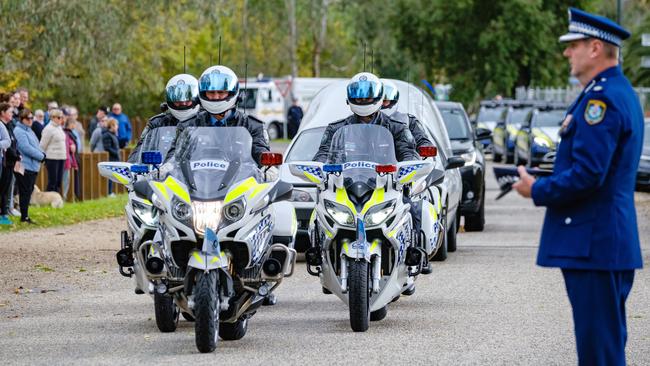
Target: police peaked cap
584 25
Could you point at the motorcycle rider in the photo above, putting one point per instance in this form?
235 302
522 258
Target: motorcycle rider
182 98
365 96
391 97
218 92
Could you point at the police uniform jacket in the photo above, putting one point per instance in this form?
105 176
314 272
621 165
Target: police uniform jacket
402 137
237 119
414 126
160 120
590 219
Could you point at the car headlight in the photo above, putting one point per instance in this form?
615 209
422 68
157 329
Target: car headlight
145 212
234 211
469 157
341 214
181 211
541 141
298 195
379 213
206 214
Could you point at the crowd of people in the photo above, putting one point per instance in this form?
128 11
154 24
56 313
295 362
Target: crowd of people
56 138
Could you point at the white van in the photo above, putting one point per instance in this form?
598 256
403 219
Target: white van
263 100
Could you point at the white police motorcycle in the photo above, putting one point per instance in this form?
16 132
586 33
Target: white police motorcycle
224 249
363 243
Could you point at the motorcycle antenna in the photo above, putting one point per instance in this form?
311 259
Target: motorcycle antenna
364 56
245 85
219 51
372 61
184 64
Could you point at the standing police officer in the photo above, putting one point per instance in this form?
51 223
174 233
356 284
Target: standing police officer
590 229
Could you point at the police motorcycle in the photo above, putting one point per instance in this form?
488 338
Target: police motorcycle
224 248
363 243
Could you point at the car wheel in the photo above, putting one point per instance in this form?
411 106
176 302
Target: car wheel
274 131
476 222
451 236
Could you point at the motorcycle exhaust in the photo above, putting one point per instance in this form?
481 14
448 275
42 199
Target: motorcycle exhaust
154 263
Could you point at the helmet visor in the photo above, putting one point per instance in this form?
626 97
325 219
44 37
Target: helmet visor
181 93
364 91
390 93
216 81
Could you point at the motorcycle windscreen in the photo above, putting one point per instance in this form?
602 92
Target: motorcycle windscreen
159 139
359 148
211 159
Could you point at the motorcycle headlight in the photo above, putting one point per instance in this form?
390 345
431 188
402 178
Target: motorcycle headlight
206 214
234 211
145 212
298 195
379 213
341 214
541 141
469 157
181 210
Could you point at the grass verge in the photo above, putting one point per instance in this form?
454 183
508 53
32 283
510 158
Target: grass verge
71 213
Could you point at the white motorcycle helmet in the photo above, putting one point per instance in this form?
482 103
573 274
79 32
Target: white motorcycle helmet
391 94
182 95
218 79
365 94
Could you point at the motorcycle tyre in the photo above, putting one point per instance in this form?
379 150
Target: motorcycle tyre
166 312
206 311
358 295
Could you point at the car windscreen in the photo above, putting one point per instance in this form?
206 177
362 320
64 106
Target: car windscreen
210 159
456 123
489 114
159 139
519 115
647 135
306 145
549 118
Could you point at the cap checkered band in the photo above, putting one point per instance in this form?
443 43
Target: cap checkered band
407 169
579 27
311 170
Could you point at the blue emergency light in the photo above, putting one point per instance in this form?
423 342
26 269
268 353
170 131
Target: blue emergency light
139 169
332 168
151 157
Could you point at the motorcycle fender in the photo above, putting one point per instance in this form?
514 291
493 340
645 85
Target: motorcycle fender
205 262
356 250
430 226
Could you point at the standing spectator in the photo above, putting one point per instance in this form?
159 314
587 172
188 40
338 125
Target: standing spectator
294 116
111 145
53 144
5 142
50 106
124 125
96 137
23 96
102 112
72 113
71 164
38 123
10 157
15 103
32 156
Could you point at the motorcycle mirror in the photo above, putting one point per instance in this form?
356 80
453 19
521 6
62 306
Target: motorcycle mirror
271 159
483 133
427 151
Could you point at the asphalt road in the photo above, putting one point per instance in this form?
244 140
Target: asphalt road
488 304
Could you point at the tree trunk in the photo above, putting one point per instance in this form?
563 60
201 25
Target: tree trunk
293 37
319 38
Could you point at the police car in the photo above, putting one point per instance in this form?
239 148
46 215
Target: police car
643 174
489 113
504 133
329 106
538 136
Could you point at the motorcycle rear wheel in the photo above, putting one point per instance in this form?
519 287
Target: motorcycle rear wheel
358 296
206 311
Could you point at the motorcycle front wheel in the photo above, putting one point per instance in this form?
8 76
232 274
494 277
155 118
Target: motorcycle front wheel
206 311
358 295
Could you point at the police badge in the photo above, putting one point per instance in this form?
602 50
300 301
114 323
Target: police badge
595 111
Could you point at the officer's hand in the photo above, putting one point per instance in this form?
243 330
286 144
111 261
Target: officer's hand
525 183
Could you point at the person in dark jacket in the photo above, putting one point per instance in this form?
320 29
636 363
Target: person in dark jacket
102 112
124 125
9 159
365 96
391 97
32 157
218 90
294 117
111 145
39 123
182 97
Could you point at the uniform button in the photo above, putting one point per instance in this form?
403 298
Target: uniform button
567 220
